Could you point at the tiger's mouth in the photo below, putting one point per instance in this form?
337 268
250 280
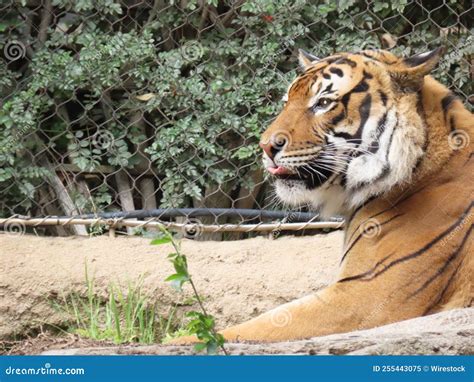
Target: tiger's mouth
303 174
281 172
278 170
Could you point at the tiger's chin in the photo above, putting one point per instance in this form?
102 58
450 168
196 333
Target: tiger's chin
328 200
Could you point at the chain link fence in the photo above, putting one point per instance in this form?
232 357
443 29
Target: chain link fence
141 105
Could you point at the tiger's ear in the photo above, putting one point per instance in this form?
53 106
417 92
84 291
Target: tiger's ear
409 74
306 59
424 63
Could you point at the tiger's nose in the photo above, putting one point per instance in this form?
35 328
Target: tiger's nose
273 146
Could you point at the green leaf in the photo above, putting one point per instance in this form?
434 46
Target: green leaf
199 347
177 277
160 241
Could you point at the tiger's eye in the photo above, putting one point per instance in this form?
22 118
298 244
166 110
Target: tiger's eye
324 102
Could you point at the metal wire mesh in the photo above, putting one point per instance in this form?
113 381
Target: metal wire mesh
123 105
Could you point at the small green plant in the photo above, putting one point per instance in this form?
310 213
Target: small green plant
122 317
97 229
201 323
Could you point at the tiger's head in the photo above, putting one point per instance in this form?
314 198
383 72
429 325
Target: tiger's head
350 129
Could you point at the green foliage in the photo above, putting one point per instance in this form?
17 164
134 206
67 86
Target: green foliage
123 317
216 74
201 324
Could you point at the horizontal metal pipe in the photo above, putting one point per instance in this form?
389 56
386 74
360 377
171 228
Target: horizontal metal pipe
167 213
18 223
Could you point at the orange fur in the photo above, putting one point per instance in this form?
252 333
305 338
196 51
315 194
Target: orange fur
419 259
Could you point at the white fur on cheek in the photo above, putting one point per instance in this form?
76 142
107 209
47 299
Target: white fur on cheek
369 167
402 154
329 201
292 192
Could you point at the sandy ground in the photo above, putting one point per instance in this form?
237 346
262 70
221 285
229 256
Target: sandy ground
238 279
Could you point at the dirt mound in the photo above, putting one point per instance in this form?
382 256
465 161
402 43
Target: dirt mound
238 279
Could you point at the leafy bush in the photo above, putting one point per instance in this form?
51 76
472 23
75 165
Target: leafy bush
214 71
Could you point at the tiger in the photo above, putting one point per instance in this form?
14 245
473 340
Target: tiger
374 138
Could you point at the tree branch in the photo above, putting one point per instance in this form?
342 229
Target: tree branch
46 17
